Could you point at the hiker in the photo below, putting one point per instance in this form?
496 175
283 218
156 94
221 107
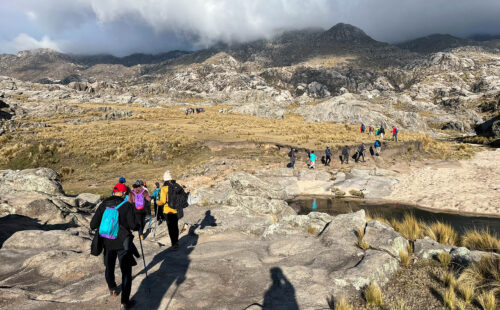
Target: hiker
345 155
312 159
116 237
140 198
361 152
372 152
377 145
292 156
328 154
155 197
173 199
362 128
382 132
122 180
394 134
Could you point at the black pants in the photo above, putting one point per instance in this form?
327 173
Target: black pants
125 259
142 221
328 160
173 227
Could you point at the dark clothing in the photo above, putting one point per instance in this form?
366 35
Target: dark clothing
126 218
126 262
173 227
361 153
345 155
328 160
292 158
328 152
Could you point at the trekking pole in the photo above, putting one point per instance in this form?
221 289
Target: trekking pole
145 268
156 222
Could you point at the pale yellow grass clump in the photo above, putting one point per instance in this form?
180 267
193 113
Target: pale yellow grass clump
444 258
450 280
373 295
466 290
487 300
481 240
343 305
483 274
449 298
443 233
405 258
361 243
409 227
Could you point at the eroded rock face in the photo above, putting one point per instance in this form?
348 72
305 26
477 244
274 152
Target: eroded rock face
42 180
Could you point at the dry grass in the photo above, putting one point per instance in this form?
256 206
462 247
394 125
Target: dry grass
342 305
361 243
444 258
487 300
450 280
443 233
373 295
409 227
449 298
481 240
466 290
484 274
399 305
405 258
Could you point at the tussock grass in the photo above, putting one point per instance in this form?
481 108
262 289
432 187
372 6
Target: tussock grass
444 258
405 258
399 305
342 305
466 290
484 274
449 298
443 233
373 295
409 227
481 240
487 300
450 280
361 243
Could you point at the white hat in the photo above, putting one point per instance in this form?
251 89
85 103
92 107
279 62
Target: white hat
167 176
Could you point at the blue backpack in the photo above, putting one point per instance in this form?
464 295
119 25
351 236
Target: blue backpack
109 223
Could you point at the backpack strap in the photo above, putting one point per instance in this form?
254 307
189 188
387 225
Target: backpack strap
124 201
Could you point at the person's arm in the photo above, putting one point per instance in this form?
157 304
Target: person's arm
132 222
163 196
96 219
147 196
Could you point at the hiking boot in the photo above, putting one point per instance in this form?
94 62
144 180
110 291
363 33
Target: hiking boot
128 305
175 247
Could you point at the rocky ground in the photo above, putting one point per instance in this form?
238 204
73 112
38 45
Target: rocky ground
241 246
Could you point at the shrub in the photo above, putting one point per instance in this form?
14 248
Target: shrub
373 295
481 240
444 258
444 233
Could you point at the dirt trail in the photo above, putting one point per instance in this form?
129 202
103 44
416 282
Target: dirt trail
471 186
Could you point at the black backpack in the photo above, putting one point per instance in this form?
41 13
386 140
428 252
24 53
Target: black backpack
290 154
177 198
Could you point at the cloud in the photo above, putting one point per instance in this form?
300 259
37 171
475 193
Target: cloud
124 26
25 42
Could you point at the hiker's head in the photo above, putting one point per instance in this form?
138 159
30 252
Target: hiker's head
121 180
157 185
138 183
120 190
167 176
312 152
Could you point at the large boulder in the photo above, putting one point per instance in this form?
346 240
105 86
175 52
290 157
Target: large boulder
245 184
43 180
383 237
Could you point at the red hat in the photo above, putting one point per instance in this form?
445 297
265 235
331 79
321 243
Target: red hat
120 187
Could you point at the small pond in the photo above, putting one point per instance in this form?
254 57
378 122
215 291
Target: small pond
390 210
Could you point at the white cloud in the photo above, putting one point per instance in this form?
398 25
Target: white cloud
25 42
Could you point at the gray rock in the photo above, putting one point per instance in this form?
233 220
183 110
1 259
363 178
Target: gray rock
88 200
248 185
342 229
427 248
381 236
43 180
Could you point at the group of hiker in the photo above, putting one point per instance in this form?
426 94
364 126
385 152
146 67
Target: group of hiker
126 211
379 131
194 110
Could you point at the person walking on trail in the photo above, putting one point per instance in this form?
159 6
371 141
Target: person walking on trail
170 212
394 134
312 159
362 128
156 197
377 146
293 156
361 152
328 154
140 198
116 237
345 155
382 132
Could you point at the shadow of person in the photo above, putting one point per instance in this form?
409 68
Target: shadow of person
173 269
281 294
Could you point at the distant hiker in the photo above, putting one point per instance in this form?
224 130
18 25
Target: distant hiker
292 156
394 134
377 131
371 130
377 146
345 155
282 116
362 128
328 154
115 219
173 199
156 196
372 152
382 132
140 198
187 112
361 152
312 159
122 180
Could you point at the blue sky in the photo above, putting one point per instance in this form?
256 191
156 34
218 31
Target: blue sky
122 27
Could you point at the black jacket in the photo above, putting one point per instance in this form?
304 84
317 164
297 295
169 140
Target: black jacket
345 151
126 218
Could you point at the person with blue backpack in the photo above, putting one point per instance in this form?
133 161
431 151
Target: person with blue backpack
115 220
378 147
140 198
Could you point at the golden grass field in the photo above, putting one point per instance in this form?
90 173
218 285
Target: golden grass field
91 156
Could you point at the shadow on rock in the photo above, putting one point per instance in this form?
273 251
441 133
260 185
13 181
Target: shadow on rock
281 294
173 269
12 223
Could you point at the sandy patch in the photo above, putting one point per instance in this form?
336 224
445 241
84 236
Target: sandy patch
465 186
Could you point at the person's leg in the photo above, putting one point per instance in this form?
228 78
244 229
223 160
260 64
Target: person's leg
142 218
173 228
125 259
292 160
396 137
328 160
109 273
363 154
